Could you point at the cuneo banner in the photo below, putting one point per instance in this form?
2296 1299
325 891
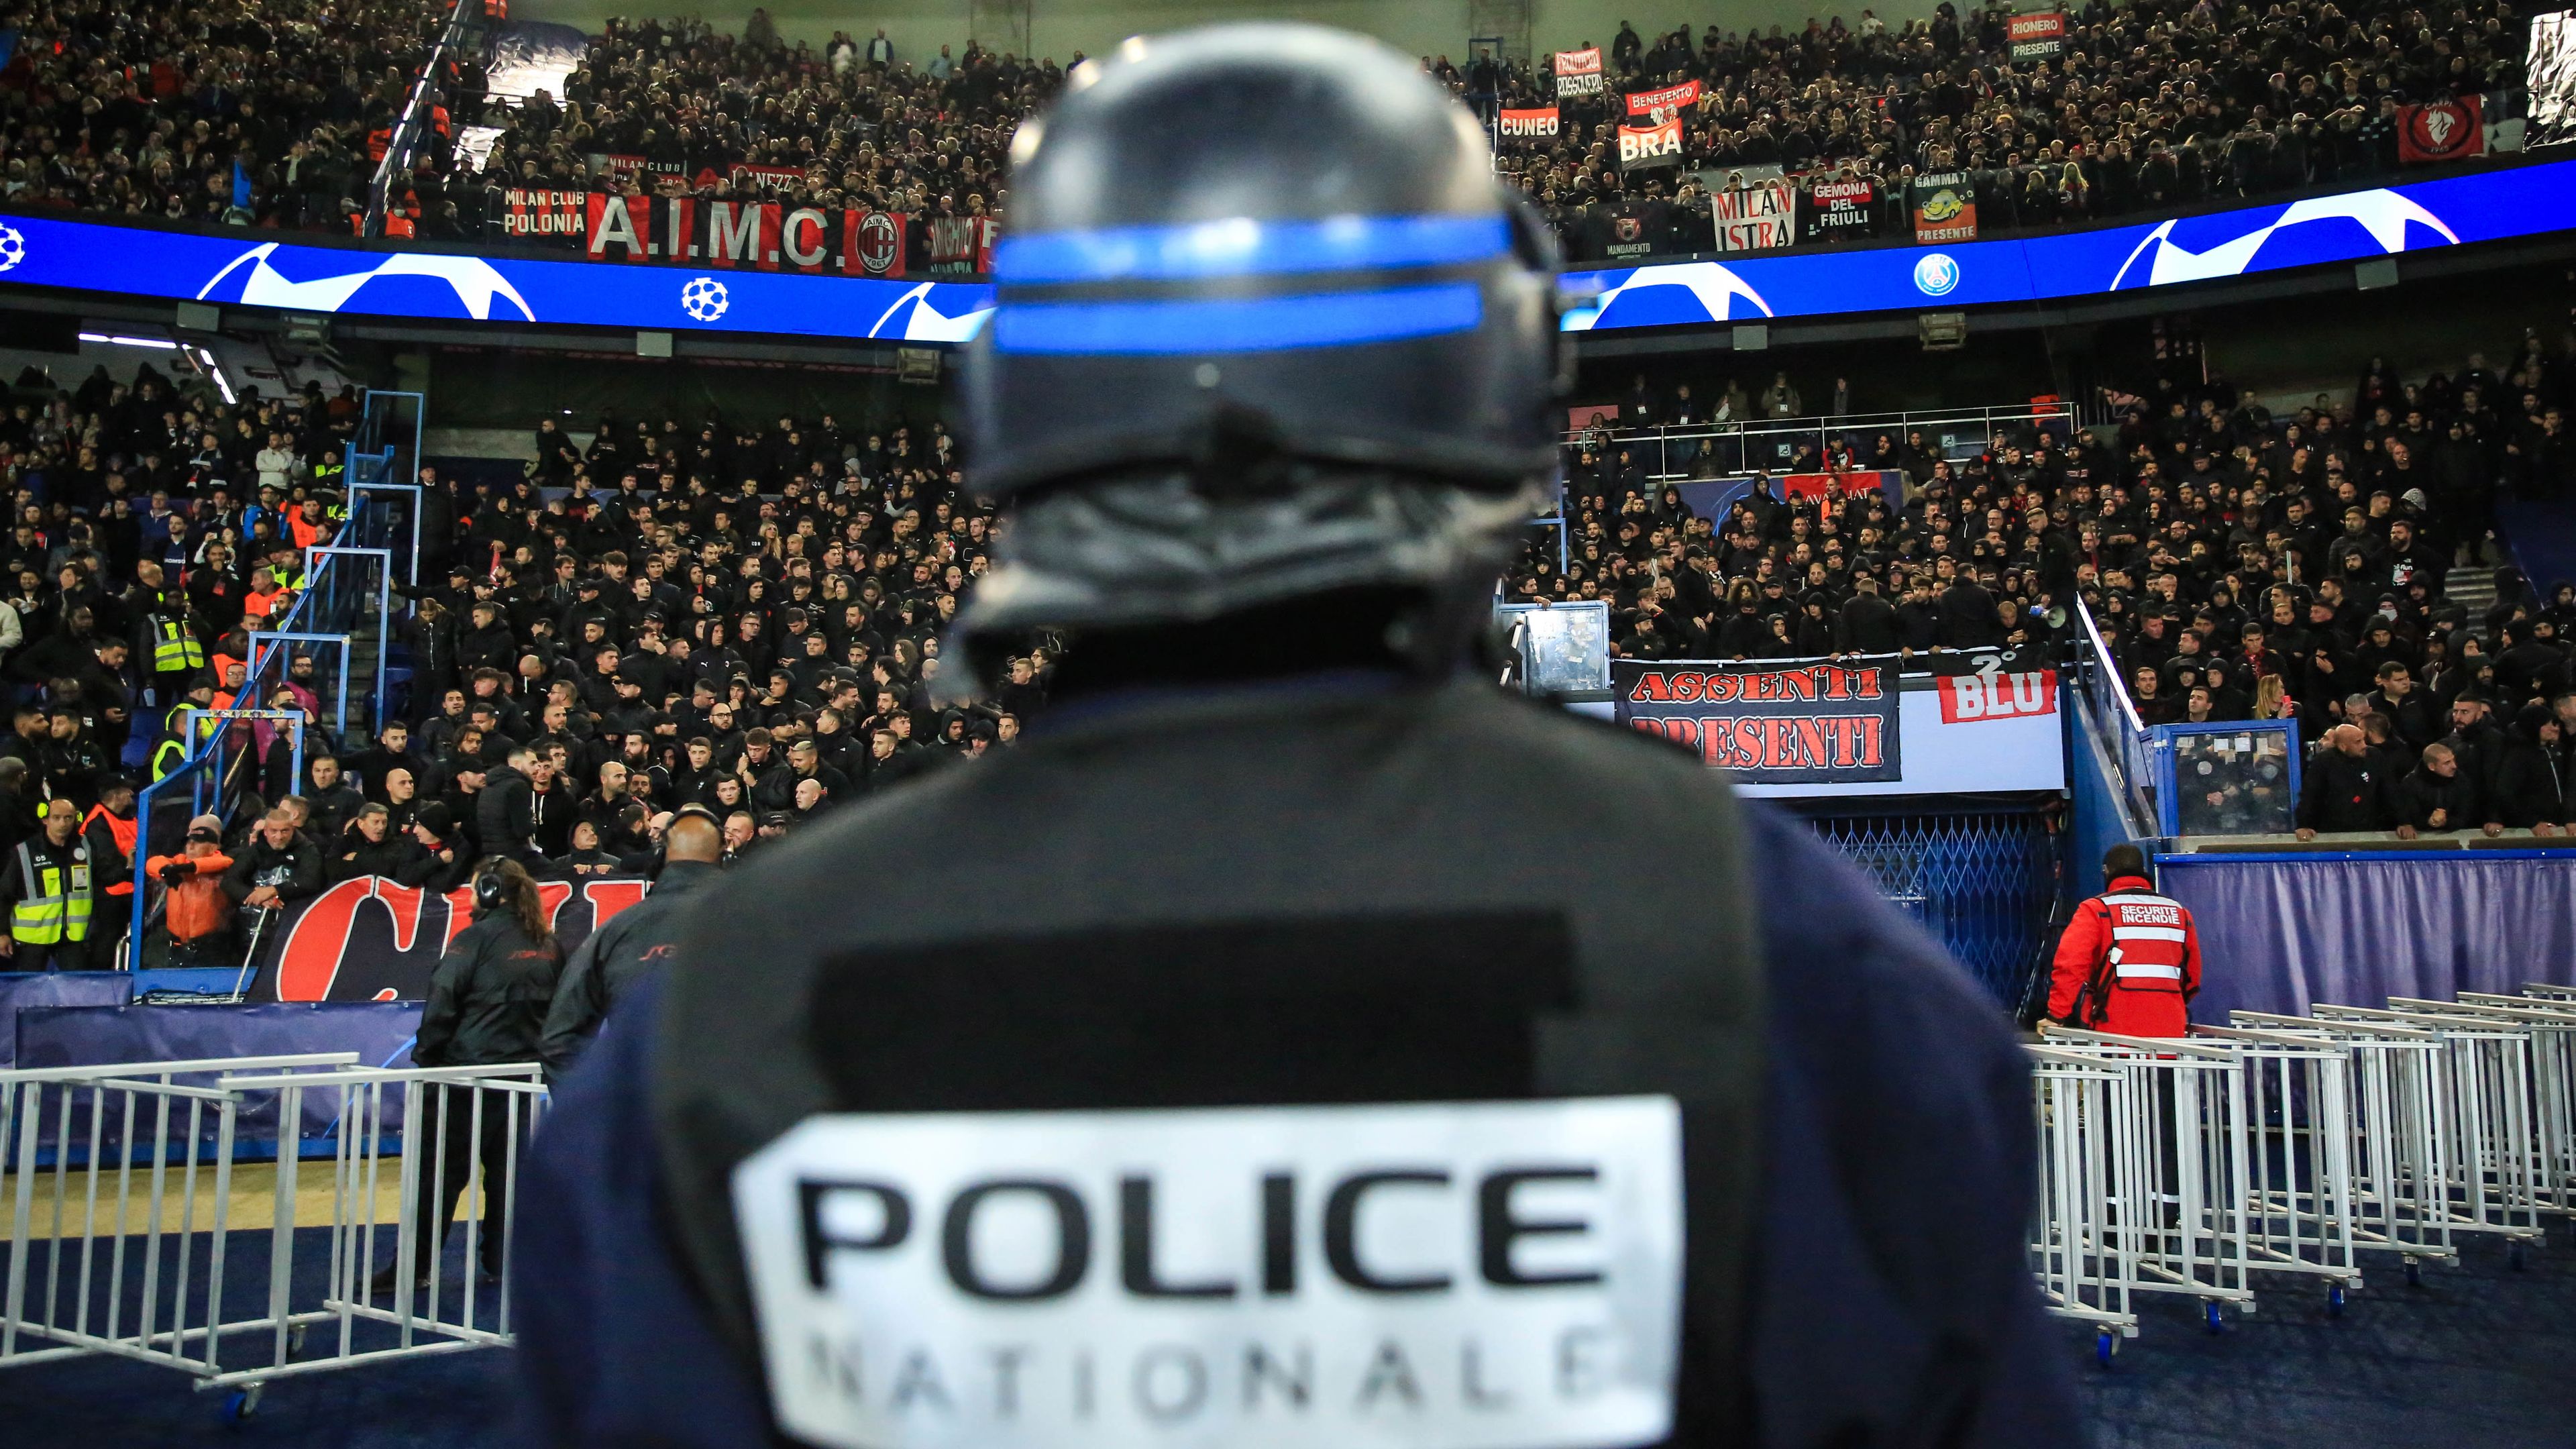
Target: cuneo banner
370 939
1537 124
1776 724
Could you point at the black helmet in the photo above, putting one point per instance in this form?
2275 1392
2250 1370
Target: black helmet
1263 241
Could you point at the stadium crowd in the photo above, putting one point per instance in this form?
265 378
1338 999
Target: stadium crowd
740 617
2157 104
2239 565
673 107
209 112
278 116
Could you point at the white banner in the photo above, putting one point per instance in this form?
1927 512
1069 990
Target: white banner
1500 1275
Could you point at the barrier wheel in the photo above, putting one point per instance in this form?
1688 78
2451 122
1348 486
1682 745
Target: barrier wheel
2515 1259
295 1338
2334 1300
2106 1344
2217 1324
240 1404
2414 1274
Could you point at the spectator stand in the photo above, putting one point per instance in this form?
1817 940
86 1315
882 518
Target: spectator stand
1807 445
346 601
219 772
405 144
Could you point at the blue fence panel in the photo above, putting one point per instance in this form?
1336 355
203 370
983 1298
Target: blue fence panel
1982 883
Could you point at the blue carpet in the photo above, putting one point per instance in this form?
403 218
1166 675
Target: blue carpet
2478 1355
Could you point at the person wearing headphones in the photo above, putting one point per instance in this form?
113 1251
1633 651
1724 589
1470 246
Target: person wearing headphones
486 1007
634 941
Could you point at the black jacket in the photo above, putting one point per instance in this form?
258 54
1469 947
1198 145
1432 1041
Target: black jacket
354 856
2343 792
2530 786
635 940
2423 792
487 999
296 871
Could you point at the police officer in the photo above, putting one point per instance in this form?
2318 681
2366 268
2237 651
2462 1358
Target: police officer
51 893
1279 1041
637 940
2129 962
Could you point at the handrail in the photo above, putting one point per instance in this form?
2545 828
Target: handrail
405 139
1822 423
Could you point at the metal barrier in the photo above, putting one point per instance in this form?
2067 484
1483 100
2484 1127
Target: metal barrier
2553 1082
2483 1097
126 1200
2299 1191
1983 883
2083 1251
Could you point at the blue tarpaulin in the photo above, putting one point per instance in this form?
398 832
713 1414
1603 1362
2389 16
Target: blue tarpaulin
20 990
73 1036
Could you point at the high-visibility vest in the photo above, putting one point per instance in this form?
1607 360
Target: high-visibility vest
175 646
123 832
55 909
167 756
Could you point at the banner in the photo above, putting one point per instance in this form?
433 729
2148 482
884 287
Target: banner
1840 209
2442 131
544 213
1664 104
1800 724
1629 228
1890 483
1756 218
1945 207
767 235
1529 125
1578 72
2033 38
959 245
1650 145
768 178
369 939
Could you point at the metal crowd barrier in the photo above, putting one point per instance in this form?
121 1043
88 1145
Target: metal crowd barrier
135 1213
2290 1145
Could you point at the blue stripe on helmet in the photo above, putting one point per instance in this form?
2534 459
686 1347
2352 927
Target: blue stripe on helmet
1241 324
1242 247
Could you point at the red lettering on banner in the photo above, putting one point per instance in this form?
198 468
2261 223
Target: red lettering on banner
1687 685
608 897
1651 686
311 958
1721 688
1969 698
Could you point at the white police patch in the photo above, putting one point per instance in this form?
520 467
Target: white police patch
1500 1275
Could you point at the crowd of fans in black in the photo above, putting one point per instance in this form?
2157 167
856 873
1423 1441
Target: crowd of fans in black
213 111
2156 104
661 614
2238 565
673 107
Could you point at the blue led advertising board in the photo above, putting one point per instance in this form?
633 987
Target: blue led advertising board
258 269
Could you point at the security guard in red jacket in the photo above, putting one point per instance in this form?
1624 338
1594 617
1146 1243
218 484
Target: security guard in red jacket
2130 961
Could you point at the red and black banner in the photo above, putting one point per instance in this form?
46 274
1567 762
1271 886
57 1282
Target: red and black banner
2032 38
1839 208
2442 131
1541 124
958 245
370 939
766 178
1663 105
1773 724
768 236
1578 72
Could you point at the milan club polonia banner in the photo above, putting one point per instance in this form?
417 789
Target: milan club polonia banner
1578 72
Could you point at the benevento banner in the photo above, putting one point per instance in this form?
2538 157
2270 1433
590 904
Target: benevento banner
1664 104
1529 125
1578 72
1773 724
372 939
